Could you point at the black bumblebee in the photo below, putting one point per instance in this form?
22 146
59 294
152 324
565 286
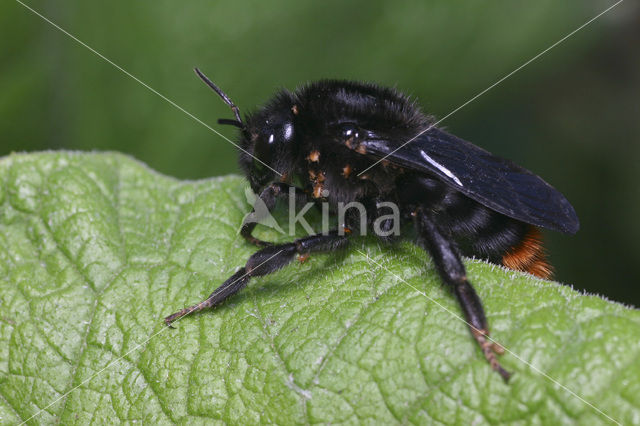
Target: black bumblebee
342 141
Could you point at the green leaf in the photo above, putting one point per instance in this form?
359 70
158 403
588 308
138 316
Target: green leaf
96 249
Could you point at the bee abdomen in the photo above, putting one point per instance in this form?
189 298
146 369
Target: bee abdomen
500 239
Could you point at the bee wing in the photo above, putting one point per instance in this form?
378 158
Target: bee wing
492 181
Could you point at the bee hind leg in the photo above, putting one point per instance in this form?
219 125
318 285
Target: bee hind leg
449 264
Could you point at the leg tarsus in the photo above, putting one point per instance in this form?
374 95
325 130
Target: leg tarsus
231 286
257 242
490 351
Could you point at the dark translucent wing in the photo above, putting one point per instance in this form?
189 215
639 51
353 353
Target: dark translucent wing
492 181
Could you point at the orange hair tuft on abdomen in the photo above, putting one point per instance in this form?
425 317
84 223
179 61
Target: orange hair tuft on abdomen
529 255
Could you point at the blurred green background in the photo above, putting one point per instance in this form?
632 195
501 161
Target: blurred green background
572 116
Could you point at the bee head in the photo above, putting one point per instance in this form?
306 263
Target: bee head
269 143
267 138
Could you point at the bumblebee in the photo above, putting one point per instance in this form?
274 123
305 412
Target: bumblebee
343 141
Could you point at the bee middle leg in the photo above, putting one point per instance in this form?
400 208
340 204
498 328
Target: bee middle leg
264 262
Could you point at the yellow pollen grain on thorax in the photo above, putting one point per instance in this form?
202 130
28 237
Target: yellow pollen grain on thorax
314 156
317 190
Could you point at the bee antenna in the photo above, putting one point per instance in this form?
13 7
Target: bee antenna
231 122
236 111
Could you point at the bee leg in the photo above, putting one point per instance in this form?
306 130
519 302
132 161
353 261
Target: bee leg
268 197
451 269
264 262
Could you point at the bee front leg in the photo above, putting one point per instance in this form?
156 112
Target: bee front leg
264 262
268 197
451 269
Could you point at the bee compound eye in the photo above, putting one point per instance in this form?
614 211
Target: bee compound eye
263 148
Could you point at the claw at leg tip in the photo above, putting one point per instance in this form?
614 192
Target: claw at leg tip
168 322
504 373
490 350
